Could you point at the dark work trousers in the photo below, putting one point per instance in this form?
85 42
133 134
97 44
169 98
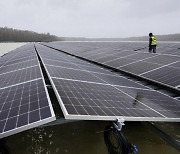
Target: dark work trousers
152 48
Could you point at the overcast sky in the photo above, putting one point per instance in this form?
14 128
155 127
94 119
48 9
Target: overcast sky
92 18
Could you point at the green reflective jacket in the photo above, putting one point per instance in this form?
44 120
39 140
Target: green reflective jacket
153 42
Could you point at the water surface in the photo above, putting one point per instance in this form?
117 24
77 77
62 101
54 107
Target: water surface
6 47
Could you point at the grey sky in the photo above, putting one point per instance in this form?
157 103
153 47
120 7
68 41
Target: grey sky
92 18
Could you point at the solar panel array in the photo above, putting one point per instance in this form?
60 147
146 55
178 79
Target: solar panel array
86 91
24 101
162 67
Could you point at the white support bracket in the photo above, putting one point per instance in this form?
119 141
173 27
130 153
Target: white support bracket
118 124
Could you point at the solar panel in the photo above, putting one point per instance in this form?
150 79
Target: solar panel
24 106
166 75
167 106
140 67
90 101
105 58
171 51
24 101
117 80
72 74
119 62
59 57
18 60
163 59
59 63
140 56
19 76
97 96
94 69
18 66
176 64
132 57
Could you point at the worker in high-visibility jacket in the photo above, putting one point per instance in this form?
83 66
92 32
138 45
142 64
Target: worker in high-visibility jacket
152 43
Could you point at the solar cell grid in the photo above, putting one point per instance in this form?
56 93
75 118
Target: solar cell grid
25 54
94 69
58 56
18 66
148 62
19 76
117 80
140 56
163 59
72 74
74 65
119 62
105 58
91 52
59 63
55 58
14 61
170 51
80 62
176 64
166 75
84 99
5 58
1 63
177 53
24 106
140 67
125 54
155 100
96 55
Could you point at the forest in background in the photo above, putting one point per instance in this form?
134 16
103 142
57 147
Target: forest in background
14 35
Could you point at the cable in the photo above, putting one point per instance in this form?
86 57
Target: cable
116 142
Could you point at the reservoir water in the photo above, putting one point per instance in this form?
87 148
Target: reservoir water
6 47
86 137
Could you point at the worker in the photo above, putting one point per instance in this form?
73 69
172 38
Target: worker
152 43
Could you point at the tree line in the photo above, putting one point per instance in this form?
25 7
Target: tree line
14 35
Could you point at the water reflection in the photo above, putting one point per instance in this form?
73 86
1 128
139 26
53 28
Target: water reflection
6 47
84 137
